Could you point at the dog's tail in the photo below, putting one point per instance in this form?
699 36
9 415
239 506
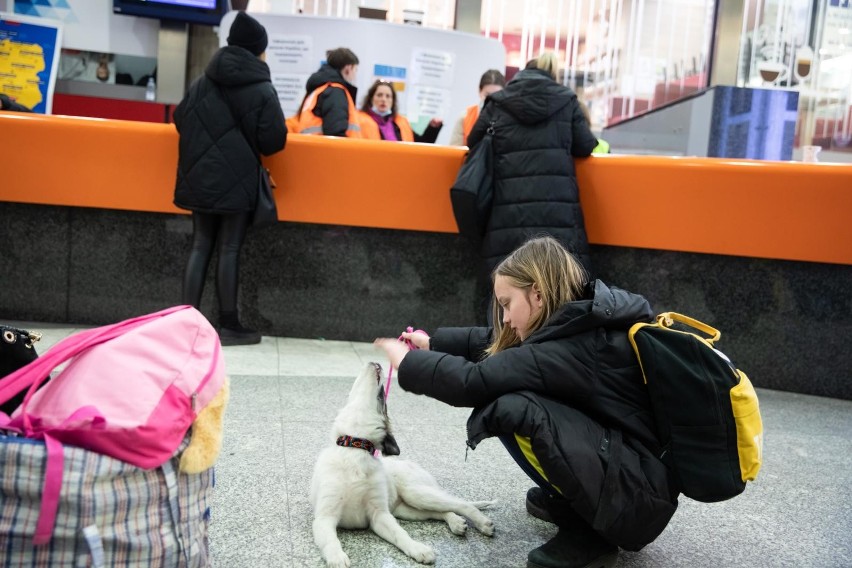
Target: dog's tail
483 504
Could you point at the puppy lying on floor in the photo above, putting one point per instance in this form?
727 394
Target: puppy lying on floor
352 489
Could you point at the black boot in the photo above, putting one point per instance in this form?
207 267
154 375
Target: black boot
231 332
576 545
569 549
542 506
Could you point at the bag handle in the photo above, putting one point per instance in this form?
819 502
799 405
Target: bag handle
667 319
35 373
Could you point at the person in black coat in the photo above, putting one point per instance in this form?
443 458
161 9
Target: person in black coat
538 127
558 382
227 119
332 105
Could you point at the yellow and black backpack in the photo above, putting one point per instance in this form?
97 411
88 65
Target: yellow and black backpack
706 410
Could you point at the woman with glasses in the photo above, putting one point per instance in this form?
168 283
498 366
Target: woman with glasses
382 121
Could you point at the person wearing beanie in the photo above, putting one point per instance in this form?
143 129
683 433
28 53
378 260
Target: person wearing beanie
248 33
229 117
329 105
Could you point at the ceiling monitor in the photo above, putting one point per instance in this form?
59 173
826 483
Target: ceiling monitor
205 12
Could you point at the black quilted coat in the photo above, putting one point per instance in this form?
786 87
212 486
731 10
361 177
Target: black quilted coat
538 126
217 165
574 388
332 105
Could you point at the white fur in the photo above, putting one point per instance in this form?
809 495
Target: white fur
352 489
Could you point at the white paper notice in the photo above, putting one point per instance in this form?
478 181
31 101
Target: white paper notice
291 89
433 68
426 103
290 53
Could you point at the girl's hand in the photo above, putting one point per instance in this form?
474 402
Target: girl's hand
418 338
393 348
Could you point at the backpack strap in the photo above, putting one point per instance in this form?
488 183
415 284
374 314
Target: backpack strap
667 319
631 336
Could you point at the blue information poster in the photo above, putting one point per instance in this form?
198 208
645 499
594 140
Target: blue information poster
29 59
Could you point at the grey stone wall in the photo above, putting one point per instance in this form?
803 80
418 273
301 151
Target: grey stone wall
786 324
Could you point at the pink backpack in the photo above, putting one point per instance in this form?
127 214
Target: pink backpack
131 391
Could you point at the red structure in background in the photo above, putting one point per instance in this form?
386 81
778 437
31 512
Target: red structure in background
117 109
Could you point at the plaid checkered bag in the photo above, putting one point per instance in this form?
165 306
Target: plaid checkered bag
110 513
130 391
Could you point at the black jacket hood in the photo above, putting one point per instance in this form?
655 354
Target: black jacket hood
234 66
603 306
532 96
328 74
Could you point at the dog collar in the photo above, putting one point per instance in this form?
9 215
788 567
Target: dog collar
350 442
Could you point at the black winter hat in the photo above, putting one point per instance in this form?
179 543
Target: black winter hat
248 33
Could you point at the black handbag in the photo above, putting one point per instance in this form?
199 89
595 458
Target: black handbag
473 191
265 209
16 351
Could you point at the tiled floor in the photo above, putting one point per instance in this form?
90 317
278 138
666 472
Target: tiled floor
285 393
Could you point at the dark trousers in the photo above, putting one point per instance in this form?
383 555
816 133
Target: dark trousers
208 229
517 454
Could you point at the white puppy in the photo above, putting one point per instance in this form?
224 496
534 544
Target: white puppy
353 489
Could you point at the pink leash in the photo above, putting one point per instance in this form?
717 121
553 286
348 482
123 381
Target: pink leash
411 345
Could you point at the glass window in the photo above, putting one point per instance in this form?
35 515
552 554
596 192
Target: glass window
806 46
623 57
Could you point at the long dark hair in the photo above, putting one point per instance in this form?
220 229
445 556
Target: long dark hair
368 99
492 77
545 263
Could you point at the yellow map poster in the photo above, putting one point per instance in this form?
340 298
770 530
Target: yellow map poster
20 64
29 55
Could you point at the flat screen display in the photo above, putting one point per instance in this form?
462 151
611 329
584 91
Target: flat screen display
207 12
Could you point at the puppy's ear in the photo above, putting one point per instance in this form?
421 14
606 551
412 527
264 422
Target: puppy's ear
389 446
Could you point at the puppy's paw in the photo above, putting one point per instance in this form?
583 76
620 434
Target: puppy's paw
337 559
457 524
485 526
422 553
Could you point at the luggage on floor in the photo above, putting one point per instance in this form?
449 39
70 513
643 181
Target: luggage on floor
110 513
90 462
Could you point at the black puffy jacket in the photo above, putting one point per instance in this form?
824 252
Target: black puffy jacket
332 106
572 383
538 126
217 165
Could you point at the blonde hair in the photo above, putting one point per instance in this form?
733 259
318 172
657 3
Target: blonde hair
559 277
548 63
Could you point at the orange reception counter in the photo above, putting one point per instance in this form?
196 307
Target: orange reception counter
368 243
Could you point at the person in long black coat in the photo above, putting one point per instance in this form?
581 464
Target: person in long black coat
227 119
539 127
558 382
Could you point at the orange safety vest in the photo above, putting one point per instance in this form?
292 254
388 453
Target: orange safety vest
370 129
292 123
309 123
470 119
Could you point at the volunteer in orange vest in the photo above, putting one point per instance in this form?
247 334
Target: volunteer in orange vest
490 82
329 107
381 121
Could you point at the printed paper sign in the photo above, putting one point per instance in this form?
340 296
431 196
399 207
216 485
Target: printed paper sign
433 68
290 53
291 90
426 103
